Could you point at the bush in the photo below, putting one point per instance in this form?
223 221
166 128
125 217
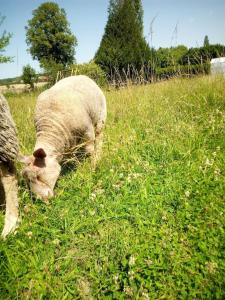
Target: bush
196 56
91 70
51 69
29 76
180 70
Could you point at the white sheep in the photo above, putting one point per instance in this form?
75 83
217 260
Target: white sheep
69 114
8 181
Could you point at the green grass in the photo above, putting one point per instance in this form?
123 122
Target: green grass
149 222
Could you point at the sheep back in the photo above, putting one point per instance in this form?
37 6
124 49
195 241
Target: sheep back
67 109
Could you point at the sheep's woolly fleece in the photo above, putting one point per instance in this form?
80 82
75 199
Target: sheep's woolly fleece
8 134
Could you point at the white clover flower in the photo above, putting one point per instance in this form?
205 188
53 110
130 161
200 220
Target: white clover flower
100 191
128 290
93 196
56 242
187 193
208 162
211 266
145 296
30 234
132 260
131 275
217 171
92 212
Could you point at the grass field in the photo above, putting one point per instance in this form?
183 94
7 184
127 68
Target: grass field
149 222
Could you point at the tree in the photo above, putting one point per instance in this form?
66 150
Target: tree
29 76
123 44
49 37
4 41
206 41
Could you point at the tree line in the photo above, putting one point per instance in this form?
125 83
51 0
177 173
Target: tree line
123 52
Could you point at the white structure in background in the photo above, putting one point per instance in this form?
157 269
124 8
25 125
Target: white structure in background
218 66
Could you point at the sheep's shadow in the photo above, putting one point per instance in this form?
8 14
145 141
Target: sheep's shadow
70 163
68 167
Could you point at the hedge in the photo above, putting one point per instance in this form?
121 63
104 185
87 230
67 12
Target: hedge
181 70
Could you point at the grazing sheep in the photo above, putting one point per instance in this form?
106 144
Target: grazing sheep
8 152
69 114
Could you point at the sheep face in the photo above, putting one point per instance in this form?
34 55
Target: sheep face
41 173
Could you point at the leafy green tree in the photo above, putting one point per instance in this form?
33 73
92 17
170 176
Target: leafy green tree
4 41
206 41
49 37
123 44
29 76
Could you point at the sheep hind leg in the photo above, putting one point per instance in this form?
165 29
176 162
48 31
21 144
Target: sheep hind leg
90 145
99 138
98 146
9 183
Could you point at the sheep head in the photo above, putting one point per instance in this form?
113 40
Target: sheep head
41 173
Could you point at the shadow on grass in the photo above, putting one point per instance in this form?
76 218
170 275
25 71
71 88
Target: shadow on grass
71 162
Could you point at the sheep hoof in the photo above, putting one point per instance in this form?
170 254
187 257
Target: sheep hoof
11 224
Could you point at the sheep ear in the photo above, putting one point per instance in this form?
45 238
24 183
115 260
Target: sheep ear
24 159
39 153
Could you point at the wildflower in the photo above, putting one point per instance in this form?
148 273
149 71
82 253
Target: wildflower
187 193
92 212
208 162
149 262
116 277
56 242
164 217
214 154
129 178
117 186
128 291
217 171
100 191
144 296
133 176
27 208
136 175
30 234
131 275
218 148
132 260
211 266
92 196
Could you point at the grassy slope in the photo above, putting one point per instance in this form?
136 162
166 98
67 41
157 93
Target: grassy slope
148 224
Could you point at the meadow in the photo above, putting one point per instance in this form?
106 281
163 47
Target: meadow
148 223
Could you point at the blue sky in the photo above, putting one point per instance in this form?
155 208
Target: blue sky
194 19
